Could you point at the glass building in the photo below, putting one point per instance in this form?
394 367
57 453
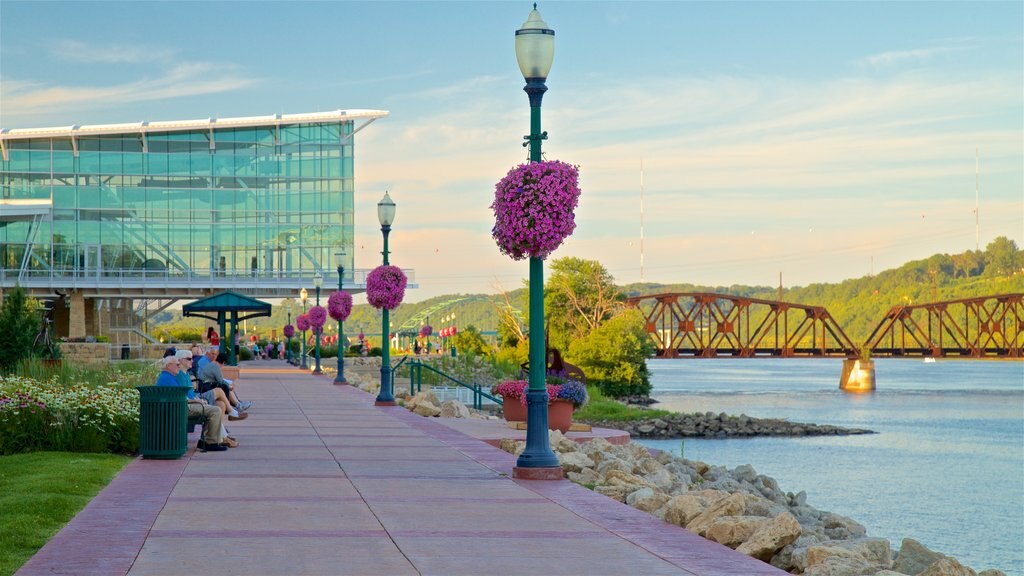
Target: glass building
174 210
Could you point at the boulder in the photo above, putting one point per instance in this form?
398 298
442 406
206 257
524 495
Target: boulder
426 409
732 505
991 572
512 446
914 558
454 409
647 499
842 528
680 510
819 554
771 537
575 461
732 531
840 566
586 476
948 567
559 443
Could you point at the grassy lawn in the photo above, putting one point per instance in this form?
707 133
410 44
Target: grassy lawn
40 492
601 408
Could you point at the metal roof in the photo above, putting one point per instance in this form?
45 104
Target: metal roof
226 301
146 127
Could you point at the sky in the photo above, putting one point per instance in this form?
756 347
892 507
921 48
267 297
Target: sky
817 140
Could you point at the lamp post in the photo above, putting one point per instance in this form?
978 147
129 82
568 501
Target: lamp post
535 52
318 281
304 296
386 397
340 378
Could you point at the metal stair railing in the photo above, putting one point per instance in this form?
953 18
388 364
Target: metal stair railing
416 383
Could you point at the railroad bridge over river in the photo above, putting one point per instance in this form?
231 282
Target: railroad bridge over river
709 325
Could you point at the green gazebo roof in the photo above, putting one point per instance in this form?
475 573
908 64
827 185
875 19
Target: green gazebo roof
227 301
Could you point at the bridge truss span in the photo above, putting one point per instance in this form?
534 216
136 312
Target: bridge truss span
707 325
983 327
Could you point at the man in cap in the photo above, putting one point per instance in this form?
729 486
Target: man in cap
213 437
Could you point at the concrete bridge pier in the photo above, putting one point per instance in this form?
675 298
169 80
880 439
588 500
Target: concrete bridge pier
858 375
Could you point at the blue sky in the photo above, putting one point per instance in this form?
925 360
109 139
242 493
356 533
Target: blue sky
815 139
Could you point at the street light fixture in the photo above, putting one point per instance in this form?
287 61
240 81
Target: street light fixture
304 296
318 281
386 397
535 52
340 377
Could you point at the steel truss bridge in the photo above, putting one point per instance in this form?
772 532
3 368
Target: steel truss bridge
708 325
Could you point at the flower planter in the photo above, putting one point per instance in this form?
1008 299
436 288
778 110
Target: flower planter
559 413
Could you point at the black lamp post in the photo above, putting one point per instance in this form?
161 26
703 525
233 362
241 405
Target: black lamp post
340 377
386 397
535 52
304 296
318 281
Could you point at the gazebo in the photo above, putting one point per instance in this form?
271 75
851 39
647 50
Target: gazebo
227 305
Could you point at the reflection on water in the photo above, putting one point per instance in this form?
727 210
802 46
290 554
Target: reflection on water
946 467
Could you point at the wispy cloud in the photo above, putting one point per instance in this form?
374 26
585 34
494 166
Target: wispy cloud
30 97
894 58
76 51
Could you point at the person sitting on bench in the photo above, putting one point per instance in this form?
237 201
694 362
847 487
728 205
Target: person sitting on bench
213 437
213 377
211 396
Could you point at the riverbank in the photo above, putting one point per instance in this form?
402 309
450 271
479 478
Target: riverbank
721 425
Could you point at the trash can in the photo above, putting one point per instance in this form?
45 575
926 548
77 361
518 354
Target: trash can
163 417
453 352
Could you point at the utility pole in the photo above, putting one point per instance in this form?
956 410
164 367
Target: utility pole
977 229
641 220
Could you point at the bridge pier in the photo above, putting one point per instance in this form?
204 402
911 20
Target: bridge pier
858 375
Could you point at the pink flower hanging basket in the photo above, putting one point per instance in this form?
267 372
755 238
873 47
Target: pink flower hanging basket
339 305
534 208
385 287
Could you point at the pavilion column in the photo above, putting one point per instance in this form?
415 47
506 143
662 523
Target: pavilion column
76 323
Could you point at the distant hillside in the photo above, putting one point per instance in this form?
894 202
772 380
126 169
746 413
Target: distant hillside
857 304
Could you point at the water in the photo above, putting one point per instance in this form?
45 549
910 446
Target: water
946 467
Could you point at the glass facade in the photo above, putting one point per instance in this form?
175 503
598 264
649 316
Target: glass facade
266 202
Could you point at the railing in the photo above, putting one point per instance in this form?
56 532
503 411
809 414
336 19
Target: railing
416 382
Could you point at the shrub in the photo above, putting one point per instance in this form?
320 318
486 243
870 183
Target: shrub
20 323
614 355
244 353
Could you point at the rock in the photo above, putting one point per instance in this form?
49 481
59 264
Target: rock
840 566
559 443
611 464
771 537
586 476
745 473
732 505
680 510
732 531
842 528
819 554
454 409
575 461
914 558
875 550
948 567
512 446
647 499
426 409
991 572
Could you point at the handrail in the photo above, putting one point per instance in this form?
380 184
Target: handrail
416 383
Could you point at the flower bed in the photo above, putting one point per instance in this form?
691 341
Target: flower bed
558 389
46 415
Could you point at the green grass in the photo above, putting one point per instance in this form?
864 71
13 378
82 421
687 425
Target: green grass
41 492
601 408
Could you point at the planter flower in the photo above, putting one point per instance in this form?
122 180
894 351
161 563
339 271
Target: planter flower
339 305
385 287
289 330
317 316
302 322
534 208
511 390
571 390
426 331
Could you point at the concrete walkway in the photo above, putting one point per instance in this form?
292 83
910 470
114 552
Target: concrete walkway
324 483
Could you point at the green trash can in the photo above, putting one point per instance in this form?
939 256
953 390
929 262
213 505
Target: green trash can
163 418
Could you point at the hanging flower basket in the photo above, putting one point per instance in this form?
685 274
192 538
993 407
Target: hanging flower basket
385 287
289 330
534 208
339 305
317 316
302 322
427 330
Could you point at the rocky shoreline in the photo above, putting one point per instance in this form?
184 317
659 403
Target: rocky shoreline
711 425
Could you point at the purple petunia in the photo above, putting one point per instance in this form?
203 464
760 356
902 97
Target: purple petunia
426 330
339 305
534 208
317 316
385 287
302 322
289 330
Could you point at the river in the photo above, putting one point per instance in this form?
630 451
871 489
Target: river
946 467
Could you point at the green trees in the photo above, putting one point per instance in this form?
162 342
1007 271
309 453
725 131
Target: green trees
469 341
614 355
20 323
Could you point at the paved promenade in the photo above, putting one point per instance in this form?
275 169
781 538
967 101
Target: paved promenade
324 483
